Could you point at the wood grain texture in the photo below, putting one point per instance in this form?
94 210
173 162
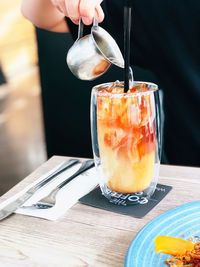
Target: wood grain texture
85 236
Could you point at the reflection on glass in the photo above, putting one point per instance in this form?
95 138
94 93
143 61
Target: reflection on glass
125 135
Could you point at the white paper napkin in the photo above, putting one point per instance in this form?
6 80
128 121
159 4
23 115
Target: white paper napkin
66 197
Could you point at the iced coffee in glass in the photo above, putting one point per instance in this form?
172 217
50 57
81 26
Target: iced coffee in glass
125 137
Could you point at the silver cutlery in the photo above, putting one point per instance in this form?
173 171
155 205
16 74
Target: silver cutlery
15 204
50 200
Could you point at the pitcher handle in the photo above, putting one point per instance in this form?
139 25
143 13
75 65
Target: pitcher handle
80 28
95 21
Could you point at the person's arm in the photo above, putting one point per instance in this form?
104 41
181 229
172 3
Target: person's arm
50 14
44 15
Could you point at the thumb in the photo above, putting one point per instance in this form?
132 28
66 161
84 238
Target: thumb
87 10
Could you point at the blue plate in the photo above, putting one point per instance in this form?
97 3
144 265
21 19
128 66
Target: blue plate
178 222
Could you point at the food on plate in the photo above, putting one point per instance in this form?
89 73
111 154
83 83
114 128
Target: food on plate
172 245
126 136
185 253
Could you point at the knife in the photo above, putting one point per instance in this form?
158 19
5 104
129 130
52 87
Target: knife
50 200
15 204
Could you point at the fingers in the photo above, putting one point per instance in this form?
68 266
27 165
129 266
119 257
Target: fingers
87 10
60 5
72 7
99 13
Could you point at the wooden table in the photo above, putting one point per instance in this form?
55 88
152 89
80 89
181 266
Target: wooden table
85 236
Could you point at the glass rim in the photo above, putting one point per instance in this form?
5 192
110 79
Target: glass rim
153 90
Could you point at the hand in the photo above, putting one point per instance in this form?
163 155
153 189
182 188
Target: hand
84 8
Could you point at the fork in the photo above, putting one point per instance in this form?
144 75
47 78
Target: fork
50 200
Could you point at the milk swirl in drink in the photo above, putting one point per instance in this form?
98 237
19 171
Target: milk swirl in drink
126 136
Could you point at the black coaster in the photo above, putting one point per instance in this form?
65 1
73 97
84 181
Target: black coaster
96 199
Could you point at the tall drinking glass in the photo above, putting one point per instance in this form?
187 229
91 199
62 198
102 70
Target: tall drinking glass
125 131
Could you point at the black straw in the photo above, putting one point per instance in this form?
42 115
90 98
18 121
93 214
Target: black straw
127 35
